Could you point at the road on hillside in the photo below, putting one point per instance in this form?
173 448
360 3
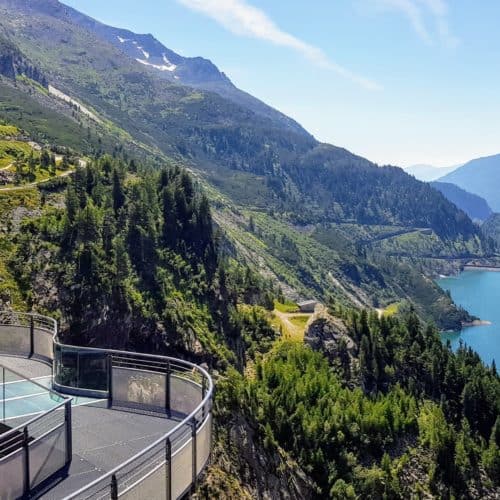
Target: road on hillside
34 184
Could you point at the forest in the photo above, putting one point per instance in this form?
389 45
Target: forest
137 262
405 417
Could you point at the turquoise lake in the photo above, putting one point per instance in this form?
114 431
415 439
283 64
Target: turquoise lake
479 293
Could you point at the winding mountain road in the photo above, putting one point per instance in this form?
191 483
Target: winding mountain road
34 184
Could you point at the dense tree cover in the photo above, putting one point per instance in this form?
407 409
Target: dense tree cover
491 228
139 264
13 63
356 428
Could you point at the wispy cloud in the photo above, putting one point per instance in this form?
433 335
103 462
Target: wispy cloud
439 9
244 19
416 11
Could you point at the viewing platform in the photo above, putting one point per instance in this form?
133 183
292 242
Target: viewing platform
82 423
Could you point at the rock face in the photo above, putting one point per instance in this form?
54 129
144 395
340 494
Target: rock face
243 468
329 335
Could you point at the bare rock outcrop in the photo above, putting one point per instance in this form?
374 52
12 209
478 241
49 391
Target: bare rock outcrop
328 334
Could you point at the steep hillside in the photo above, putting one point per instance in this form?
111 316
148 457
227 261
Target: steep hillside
480 176
195 71
252 161
473 205
491 228
129 259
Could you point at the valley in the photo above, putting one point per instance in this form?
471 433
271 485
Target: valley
150 205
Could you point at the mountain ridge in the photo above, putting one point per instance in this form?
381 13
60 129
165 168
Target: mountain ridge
428 173
197 72
473 205
480 176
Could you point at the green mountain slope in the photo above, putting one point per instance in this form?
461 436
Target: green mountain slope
127 255
251 161
491 228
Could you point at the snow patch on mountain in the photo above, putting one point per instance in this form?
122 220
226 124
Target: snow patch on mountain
122 40
146 54
161 67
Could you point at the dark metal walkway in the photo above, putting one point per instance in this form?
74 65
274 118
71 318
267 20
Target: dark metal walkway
103 438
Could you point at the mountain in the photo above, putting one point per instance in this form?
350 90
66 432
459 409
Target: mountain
480 176
189 219
473 205
491 228
364 224
196 72
428 173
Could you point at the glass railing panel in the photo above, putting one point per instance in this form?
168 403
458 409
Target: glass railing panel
182 469
47 455
139 387
66 367
145 477
93 371
203 444
185 394
43 343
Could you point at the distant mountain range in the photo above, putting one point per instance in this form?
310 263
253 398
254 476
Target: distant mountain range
428 173
480 176
473 205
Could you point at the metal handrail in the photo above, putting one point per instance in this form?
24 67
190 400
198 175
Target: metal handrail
207 394
166 436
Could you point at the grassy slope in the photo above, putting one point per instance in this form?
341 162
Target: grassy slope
28 200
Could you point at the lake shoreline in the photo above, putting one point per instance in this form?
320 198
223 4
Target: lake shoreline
476 322
482 268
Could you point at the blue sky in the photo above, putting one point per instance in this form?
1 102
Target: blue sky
397 81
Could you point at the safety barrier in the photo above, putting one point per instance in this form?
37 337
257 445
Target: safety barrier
32 452
182 391
26 334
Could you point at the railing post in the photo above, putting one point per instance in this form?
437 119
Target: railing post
110 381
32 336
26 463
193 439
203 393
168 466
3 392
69 432
168 387
114 487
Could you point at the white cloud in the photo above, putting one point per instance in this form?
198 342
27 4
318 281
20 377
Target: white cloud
412 11
244 19
440 11
417 10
